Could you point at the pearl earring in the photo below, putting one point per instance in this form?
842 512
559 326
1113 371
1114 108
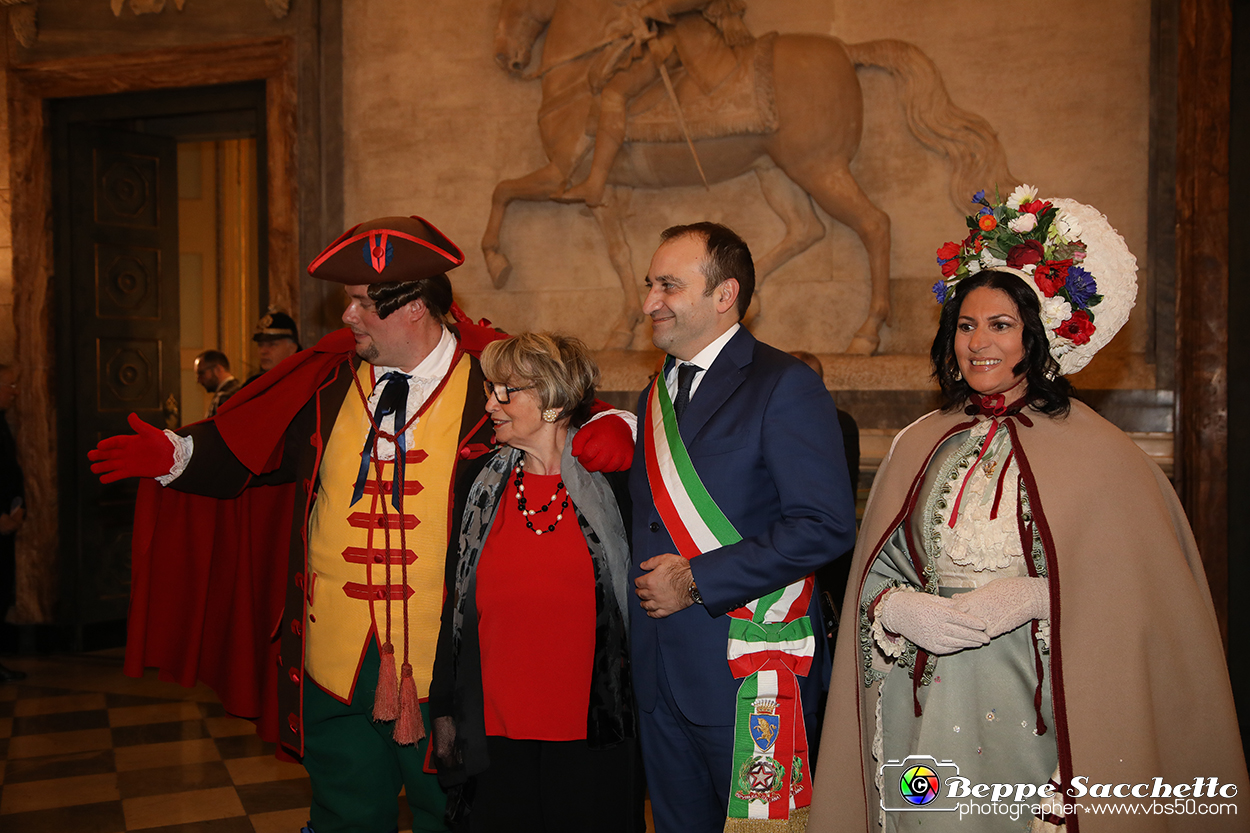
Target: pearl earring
551 414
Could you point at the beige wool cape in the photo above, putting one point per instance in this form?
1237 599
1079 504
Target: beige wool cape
1139 676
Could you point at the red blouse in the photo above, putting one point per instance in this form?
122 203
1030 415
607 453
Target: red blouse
536 619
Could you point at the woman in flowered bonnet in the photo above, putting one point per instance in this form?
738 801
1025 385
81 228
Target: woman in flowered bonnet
1032 614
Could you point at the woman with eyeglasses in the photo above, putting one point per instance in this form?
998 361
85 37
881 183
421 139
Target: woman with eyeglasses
533 653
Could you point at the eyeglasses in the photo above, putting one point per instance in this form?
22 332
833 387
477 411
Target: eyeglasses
502 393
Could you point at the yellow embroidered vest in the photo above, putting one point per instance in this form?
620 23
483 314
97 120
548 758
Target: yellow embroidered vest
347 544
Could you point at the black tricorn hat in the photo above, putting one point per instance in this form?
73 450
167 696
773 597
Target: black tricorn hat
387 250
275 325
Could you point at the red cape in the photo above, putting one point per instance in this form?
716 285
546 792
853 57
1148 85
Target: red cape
208 575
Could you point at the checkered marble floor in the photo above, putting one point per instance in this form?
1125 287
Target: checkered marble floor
84 748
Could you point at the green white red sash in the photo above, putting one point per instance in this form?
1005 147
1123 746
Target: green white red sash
770 641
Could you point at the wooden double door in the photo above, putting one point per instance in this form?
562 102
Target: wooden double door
115 181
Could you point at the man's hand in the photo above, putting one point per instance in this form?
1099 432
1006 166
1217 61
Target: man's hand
12 522
623 27
630 23
665 589
145 453
604 444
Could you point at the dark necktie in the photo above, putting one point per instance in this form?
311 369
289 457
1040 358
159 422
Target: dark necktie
685 378
393 403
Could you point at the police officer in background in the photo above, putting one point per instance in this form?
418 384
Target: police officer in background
276 338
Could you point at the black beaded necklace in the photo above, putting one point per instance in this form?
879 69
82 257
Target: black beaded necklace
528 514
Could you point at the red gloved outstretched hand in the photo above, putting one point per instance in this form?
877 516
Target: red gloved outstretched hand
145 453
606 444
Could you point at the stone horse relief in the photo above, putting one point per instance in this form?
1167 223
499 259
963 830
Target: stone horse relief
677 92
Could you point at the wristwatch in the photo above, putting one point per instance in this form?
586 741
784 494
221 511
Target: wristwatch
695 596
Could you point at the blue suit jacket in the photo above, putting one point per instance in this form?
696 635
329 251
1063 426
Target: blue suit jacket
763 435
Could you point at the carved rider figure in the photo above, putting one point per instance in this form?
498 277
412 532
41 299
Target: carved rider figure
644 41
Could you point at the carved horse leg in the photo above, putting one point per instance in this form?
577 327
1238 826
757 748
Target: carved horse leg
838 193
803 228
821 113
535 186
611 218
794 207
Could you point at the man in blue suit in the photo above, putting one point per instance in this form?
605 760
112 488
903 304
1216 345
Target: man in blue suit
762 435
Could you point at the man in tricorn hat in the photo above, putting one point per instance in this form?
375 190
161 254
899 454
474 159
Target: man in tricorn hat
378 429
277 338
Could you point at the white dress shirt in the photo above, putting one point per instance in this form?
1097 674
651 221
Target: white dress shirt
703 359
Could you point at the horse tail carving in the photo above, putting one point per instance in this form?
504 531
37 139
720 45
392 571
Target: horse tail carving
977 158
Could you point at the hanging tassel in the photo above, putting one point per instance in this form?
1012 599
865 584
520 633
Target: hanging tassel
386 697
917 671
998 490
1041 671
409 728
971 470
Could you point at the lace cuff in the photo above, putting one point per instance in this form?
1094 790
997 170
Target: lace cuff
183 447
630 418
890 644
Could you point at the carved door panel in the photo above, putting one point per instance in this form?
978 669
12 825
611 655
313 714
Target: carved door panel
122 295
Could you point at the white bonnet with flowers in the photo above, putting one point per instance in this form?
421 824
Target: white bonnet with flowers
1079 266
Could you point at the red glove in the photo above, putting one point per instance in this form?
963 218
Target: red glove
146 453
607 444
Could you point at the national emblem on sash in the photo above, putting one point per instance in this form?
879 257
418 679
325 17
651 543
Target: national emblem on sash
760 779
765 725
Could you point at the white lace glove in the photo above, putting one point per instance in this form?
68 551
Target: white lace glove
931 622
1007 603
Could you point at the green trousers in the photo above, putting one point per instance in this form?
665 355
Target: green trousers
357 769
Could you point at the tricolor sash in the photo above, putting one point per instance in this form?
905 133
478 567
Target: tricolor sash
770 641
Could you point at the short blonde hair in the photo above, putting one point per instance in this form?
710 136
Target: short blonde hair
558 367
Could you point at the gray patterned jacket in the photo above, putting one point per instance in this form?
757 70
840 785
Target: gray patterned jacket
603 513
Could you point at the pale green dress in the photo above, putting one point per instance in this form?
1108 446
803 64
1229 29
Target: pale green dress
978 704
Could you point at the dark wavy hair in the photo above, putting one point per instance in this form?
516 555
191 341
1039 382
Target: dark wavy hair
1048 392
434 291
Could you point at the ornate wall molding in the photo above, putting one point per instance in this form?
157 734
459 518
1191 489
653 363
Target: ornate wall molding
144 6
271 59
278 7
23 13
